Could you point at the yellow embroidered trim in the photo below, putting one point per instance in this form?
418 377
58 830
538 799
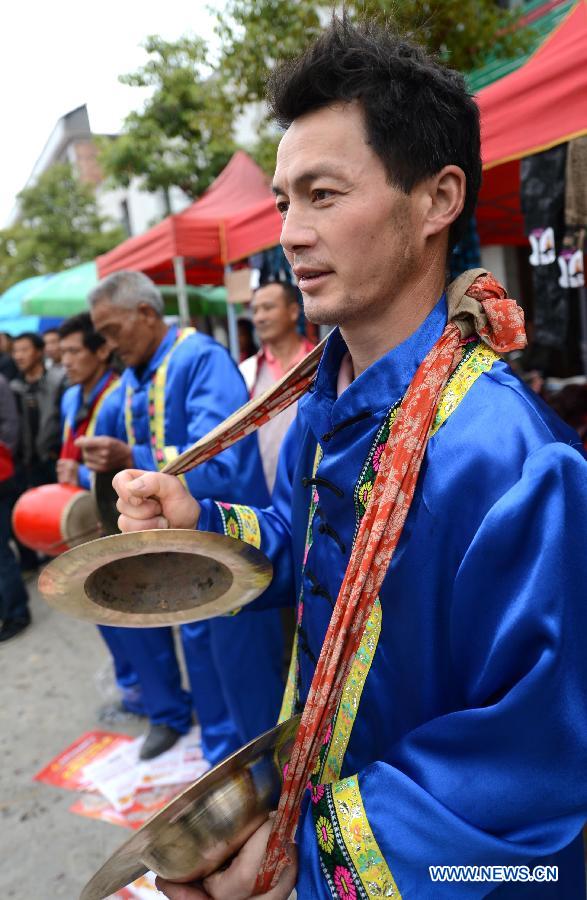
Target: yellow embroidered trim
359 840
156 410
169 454
351 697
92 424
240 523
481 360
130 434
288 702
251 531
157 397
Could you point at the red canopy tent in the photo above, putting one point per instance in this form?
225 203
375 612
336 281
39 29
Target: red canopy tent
542 104
234 218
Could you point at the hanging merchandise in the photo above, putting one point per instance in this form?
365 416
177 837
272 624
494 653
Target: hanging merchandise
542 244
571 260
542 200
270 265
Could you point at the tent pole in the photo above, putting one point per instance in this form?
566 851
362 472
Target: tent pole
182 297
232 326
582 297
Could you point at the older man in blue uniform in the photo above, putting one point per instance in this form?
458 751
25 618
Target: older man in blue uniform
178 385
460 735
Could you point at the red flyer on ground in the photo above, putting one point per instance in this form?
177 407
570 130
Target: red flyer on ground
95 806
66 769
145 805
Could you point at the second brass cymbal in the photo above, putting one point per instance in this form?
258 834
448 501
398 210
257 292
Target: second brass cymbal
206 824
159 577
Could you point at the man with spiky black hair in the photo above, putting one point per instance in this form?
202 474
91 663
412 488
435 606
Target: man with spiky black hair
429 515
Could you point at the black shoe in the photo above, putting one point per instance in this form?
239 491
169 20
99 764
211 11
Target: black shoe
12 628
159 739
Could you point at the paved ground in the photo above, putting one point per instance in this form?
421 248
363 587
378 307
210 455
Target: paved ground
53 679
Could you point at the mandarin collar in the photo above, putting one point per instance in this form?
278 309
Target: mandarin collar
382 384
98 387
142 374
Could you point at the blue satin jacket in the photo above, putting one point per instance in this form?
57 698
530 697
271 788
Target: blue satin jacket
461 736
103 420
186 389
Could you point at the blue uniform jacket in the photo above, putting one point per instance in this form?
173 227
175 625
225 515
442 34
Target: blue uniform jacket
202 388
461 737
103 419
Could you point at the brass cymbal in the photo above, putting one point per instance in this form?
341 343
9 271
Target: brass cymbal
161 577
203 827
105 498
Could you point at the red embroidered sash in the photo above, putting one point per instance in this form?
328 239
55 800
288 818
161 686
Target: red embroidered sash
499 322
68 448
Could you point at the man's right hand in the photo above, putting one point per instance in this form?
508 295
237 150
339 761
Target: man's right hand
152 500
67 471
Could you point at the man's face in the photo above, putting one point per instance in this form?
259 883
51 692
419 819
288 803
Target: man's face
127 331
351 237
82 365
273 317
52 350
26 356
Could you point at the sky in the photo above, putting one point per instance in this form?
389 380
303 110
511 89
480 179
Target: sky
57 56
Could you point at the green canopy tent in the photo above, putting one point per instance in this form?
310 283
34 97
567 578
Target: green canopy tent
12 320
65 294
11 301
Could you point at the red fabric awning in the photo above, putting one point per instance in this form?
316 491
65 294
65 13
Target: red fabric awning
234 218
539 106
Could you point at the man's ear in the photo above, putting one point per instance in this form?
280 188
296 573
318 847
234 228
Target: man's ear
103 352
445 198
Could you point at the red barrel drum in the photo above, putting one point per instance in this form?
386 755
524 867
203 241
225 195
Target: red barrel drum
55 517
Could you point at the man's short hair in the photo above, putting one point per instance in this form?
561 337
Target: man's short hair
82 324
291 293
35 339
127 289
419 114
51 331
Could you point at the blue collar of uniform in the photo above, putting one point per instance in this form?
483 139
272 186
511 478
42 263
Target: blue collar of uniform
98 387
380 385
146 372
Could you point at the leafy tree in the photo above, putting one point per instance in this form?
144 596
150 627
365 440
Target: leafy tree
59 226
183 135
255 35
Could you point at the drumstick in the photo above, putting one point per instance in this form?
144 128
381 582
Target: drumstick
251 416
80 538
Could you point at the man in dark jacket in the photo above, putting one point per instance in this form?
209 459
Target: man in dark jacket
13 596
38 393
7 365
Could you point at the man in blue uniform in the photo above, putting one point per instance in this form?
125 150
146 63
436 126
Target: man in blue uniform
178 385
460 737
89 407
